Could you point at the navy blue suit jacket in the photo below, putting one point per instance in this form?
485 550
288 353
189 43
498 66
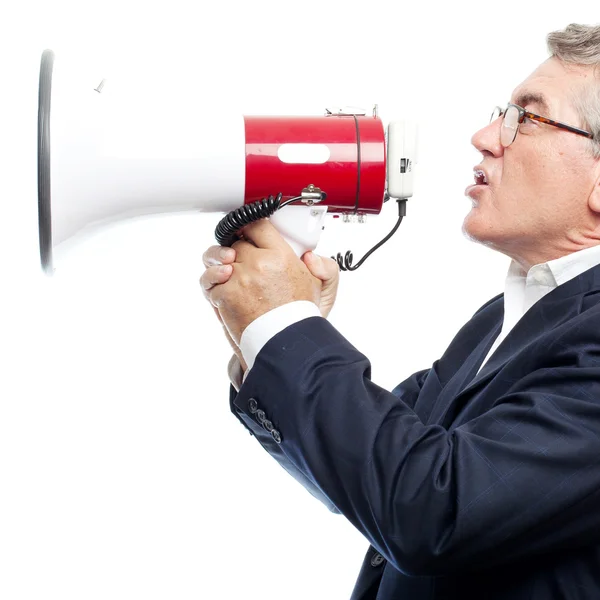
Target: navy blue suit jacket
467 485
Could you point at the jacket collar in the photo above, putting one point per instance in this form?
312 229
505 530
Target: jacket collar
551 311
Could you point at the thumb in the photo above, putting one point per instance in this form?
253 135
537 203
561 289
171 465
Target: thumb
324 269
263 234
327 270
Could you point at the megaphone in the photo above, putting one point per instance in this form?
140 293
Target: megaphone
104 156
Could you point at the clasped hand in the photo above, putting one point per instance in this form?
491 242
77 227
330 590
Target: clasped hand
261 272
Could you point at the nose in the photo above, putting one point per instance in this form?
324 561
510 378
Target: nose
487 139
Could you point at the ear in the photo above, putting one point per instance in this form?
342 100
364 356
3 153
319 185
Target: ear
594 199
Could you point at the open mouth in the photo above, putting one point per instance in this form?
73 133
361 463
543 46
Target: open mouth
480 178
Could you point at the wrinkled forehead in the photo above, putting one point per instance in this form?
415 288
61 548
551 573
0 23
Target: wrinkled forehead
550 89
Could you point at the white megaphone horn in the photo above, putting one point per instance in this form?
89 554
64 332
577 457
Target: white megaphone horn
104 156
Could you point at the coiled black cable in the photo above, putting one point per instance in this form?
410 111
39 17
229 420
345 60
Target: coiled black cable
345 262
226 232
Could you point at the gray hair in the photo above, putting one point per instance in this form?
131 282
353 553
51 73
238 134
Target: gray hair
580 45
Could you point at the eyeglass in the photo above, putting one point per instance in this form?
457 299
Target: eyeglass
515 115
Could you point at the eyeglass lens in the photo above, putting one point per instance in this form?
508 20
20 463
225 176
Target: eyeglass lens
510 125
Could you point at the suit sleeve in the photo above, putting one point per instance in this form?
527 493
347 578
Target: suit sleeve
408 390
266 440
521 479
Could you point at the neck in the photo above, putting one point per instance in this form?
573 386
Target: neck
529 257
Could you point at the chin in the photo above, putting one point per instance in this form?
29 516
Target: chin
471 226
477 229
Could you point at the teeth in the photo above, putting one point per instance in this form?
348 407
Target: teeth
479 174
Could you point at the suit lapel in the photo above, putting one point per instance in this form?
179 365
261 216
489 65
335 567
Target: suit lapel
445 404
555 308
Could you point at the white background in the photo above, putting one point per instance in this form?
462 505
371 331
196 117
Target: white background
122 472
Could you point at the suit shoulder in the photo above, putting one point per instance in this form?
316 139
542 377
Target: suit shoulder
489 303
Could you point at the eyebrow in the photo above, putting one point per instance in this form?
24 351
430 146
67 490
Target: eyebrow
525 98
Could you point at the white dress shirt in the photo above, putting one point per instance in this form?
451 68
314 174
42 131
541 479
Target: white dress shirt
521 291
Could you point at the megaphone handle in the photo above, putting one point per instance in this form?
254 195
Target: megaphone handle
300 226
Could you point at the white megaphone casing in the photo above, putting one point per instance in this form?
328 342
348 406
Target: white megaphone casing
105 155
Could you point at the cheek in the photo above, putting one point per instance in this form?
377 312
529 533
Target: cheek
521 174
530 177
542 182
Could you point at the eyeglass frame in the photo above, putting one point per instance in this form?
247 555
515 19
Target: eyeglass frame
525 114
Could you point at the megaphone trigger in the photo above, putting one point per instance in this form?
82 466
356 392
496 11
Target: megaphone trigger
301 234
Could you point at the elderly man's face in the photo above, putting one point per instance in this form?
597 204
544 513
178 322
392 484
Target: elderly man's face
535 204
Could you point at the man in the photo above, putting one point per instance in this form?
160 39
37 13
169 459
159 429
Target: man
479 477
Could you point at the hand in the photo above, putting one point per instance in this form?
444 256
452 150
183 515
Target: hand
266 274
218 261
328 271
321 267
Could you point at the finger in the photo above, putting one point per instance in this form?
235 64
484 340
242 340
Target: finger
215 276
225 330
218 255
264 235
325 269
220 319
243 250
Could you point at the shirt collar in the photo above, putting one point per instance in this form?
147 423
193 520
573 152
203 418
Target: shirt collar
571 265
523 289
558 271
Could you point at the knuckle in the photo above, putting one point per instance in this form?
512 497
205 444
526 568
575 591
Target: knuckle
262 266
245 280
